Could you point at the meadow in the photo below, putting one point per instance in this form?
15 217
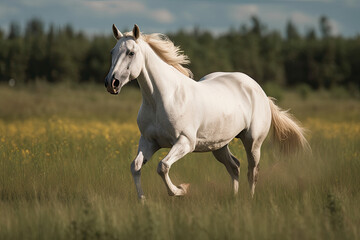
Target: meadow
65 154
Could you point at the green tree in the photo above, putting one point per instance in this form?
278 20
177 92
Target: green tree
34 43
325 27
64 54
14 31
292 33
97 60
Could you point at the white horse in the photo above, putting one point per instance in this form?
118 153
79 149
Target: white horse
188 116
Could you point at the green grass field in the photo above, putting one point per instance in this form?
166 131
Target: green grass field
65 156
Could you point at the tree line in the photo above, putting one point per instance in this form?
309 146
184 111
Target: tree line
58 54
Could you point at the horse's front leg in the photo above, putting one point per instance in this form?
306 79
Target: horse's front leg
182 147
145 151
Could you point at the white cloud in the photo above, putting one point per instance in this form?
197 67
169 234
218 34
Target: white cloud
162 16
303 19
277 16
335 27
130 7
243 11
165 15
114 7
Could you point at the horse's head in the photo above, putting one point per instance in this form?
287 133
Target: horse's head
126 60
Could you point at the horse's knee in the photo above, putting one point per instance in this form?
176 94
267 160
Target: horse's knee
162 168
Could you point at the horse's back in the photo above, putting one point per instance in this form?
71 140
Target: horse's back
232 102
235 86
232 78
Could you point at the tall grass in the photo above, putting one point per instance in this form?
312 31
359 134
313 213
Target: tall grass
65 155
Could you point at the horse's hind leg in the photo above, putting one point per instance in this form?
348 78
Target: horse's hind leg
232 165
252 148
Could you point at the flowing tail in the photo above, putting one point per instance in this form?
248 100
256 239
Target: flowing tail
287 132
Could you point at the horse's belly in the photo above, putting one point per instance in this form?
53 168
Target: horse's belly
204 145
216 134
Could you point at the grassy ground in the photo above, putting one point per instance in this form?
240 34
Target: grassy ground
65 155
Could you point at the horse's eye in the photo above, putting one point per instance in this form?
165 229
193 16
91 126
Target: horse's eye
131 53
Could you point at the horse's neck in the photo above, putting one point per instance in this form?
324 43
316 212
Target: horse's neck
159 79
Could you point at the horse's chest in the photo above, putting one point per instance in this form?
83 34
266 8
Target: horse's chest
158 128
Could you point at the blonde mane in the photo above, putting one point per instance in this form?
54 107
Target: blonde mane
167 51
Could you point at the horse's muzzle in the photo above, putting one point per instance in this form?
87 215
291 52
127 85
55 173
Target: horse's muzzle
113 87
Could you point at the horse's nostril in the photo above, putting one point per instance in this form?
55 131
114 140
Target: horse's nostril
116 83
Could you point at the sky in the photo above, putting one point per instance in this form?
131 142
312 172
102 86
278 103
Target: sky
217 16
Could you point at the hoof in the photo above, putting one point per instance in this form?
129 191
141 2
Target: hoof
180 190
142 199
184 187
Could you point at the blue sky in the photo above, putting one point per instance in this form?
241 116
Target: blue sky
96 17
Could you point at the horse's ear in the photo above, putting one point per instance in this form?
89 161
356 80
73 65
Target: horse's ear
117 33
136 32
